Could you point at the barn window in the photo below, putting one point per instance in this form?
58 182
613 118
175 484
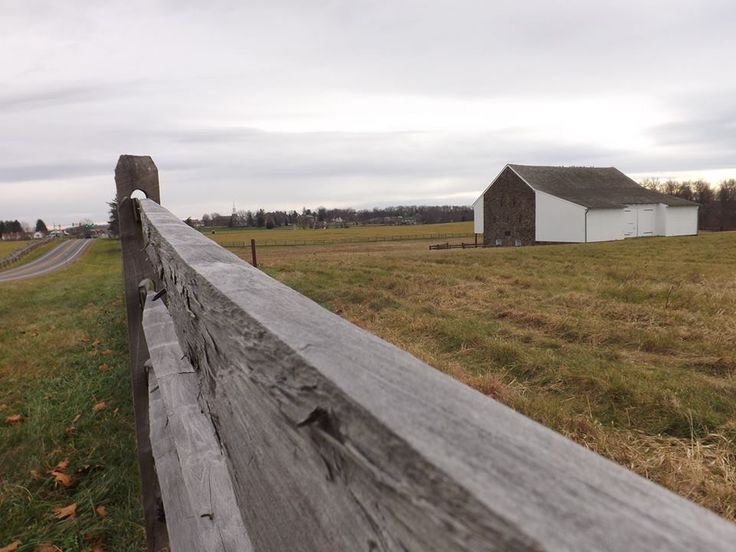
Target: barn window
507 233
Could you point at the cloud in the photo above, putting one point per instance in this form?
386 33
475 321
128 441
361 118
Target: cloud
286 103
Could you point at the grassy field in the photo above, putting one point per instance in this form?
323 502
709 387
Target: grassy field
63 368
35 254
626 347
7 247
226 236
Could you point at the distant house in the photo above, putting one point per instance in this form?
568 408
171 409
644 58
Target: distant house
531 204
14 236
38 235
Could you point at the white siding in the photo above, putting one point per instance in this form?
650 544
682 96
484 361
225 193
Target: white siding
661 228
682 221
646 220
558 220
605 225
478 215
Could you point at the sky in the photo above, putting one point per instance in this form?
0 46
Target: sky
360 103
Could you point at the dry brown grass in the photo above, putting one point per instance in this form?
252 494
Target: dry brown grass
625 347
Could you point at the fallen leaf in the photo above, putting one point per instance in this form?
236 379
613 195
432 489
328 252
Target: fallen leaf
104 367
71 430
115 412
98 548
3 407
35 474
48 547
100 406
76 418
101 511
67 512
14 419
11 547
96 342
62 478
62 466
106 352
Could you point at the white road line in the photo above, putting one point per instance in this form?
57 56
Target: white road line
59 257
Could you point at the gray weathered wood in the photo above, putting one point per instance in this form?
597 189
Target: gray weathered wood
181 521
201 464
337 440
139 173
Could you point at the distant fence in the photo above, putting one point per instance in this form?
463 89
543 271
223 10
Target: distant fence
16 256
461 245
267 423
343 241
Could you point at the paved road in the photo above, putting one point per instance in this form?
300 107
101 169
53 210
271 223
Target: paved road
60 256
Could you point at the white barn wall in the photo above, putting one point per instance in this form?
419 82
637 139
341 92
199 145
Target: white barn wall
661 226
605 225
478 215
682 221
558 220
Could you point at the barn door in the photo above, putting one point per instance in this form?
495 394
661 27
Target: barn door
630 222
645 221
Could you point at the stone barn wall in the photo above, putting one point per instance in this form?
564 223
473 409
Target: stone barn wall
509 211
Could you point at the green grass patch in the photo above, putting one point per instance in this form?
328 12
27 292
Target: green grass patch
365 232
55 333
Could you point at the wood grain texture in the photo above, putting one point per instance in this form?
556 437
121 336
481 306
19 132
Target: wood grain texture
181 521
139 173
201 464
337 440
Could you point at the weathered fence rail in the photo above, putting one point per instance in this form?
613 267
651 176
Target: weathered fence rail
276 425
16 256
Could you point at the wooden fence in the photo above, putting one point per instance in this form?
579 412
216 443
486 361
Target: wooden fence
347 241
461 245
267 423
17 255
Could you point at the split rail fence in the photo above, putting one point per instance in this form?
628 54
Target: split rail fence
347 241
265 422
17 255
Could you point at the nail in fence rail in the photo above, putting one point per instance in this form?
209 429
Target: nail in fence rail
334 439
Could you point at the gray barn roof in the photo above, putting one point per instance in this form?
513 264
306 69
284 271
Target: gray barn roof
593 187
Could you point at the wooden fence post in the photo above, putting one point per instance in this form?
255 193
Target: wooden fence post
139 173
253 253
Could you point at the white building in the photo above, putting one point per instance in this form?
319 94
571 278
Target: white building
530 204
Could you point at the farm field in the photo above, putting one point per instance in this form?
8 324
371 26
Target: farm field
33 255
63 368
7 247
225 236
625 347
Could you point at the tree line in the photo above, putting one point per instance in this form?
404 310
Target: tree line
321 216
717 204
16 227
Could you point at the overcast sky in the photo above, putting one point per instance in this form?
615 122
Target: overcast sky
282 104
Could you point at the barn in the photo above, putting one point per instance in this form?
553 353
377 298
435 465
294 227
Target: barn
528 204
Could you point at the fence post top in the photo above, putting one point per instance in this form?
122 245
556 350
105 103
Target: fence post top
137 172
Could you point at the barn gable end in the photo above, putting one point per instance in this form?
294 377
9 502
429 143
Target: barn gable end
509 207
